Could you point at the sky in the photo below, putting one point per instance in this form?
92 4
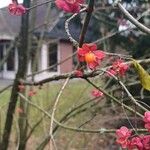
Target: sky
4 3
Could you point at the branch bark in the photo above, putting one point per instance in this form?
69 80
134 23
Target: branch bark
139 25
22 68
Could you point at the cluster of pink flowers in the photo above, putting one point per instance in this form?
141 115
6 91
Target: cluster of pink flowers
72 6
96 93
21 87
118 68
134 142
90 54
123 135
19 110
32 92
16 9
78 73
147 120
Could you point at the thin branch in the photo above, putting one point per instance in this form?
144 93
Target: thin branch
75 43
54 109
46 2
118 32
72 75
86 22
114 99
101 130
52 66
67 116
126 90
139 25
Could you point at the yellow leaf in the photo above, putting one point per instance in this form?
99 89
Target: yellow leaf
143 75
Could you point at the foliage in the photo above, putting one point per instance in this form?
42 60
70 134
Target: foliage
143 75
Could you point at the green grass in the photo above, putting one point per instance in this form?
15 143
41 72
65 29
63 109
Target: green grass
75 93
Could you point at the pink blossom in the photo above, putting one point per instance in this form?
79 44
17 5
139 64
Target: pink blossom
16 9
31 93
123 132
147 117
97 93
19 110
111 72
147 126
146 142
89 54
78 73
21 87
72 6
135 143
129 142
122 136
118 67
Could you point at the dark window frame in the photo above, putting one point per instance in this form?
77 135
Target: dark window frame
53 56
8 65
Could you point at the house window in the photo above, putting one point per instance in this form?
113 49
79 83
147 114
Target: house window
34 61
1 56
9 65
11 59
74 59
52 56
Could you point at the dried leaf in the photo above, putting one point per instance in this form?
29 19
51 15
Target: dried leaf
143 75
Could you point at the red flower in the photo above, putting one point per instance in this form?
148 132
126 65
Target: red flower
111 72
122 136
31 93
78 73
89 54
16 9
21 87
140 143
97 93
146 142
72 6
146 119
19 110
118 67
135 143
147 126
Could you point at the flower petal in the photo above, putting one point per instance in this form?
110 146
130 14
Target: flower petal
93 65
99 54
81 51
93 47
86 47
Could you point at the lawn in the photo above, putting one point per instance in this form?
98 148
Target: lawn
76 93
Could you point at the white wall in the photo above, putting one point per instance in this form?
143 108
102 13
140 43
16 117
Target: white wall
43 60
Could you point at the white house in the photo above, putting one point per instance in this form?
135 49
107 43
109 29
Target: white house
55 48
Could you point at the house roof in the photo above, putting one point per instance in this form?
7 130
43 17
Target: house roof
10 25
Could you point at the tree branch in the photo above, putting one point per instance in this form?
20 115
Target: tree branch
139 25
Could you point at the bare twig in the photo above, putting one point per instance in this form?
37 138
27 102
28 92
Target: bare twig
54 110
86 22
101 130
126 90
139 25
113 98
46 2
75 43
72 75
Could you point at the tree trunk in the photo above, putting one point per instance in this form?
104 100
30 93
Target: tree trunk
21 73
